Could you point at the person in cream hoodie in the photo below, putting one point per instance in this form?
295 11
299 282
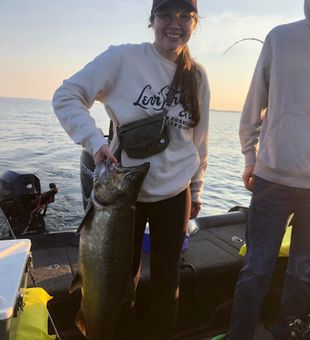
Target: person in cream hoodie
275 140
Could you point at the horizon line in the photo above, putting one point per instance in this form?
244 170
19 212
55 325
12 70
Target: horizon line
31 98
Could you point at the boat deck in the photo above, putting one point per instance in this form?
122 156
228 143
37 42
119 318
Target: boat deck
209 270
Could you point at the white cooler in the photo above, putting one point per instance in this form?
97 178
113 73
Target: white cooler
14 260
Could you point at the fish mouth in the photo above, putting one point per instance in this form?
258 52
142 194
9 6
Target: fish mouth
134 173
102 170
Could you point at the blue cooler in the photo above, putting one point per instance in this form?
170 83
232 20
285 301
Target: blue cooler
146 242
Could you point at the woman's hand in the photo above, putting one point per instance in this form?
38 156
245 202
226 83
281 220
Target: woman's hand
248 178
196 206
104 153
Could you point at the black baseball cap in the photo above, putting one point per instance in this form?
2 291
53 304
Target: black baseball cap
190 4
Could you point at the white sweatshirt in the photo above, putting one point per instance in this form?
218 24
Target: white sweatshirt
132 82
275 123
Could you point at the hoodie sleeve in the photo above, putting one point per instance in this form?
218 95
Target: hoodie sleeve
255 105
200 138
73 99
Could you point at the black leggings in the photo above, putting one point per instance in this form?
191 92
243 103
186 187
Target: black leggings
168 220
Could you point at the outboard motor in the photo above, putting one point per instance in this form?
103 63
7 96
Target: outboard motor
23 203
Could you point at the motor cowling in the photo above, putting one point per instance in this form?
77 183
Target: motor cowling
18 194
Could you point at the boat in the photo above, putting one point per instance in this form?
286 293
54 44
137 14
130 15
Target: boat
209 265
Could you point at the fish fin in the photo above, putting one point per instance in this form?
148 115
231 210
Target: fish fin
80 323
130 297
88 216
76 283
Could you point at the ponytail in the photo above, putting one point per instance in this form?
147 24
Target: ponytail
189 78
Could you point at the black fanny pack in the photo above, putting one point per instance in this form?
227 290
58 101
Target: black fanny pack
145 137
148 136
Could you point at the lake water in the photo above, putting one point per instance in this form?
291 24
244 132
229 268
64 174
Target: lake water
32 141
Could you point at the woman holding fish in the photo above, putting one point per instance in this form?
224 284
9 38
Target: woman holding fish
134 81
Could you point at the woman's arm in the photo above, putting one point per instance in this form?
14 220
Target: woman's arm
73 99
200 139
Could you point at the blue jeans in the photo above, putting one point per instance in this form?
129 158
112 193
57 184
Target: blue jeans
271 208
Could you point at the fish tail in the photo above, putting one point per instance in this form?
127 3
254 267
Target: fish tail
80 323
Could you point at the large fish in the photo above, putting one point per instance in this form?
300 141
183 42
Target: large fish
106 249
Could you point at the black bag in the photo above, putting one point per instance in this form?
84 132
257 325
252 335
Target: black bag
149 136
145 137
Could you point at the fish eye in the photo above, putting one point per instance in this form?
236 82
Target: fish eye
128 177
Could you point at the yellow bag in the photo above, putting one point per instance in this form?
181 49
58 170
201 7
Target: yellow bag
33 319
285 246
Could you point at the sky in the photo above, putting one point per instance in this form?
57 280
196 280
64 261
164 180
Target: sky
43 42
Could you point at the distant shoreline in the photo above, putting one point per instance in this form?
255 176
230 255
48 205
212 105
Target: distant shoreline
49 100
232 111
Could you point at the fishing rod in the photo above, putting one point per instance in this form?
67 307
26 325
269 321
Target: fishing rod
239 41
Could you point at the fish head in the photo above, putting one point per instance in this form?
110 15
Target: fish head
114 183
